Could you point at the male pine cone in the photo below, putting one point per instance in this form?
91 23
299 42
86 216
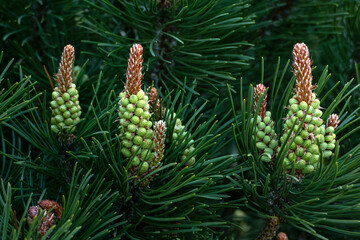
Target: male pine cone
136 133
304 126
65 106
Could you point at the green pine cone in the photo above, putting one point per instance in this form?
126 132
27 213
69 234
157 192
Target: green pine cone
329 144
304 151
178 136
65 109
265 134
136 133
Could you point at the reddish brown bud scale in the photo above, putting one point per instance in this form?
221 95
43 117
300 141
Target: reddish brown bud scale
48 218
33 210
133 72
302 69
49 204
258 91
64 77
333 121
282 236
154 102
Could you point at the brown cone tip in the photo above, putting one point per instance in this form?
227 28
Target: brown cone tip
154 101
333 121
134 68
258 91
64 77
159 140
302 68
282 236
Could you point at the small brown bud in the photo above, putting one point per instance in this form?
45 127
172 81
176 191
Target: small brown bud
159 140
154 102
33 210
333 121
49 204
48 219
258 91
282 236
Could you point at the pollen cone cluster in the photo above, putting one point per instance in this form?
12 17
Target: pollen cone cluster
266 141
305 133
65 107
304 130
136 127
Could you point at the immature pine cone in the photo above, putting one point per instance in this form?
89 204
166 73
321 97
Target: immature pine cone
304 151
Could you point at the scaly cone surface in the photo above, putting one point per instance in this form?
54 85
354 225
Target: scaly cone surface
65 107
136 133
266 141
269 231
303 107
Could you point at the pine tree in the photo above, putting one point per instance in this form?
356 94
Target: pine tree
141 129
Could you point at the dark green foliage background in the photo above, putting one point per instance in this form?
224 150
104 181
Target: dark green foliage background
196 52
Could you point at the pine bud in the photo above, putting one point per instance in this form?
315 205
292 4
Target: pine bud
302 69
134 70
154 102
258 91
159 141
282 236
333 121
50 219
